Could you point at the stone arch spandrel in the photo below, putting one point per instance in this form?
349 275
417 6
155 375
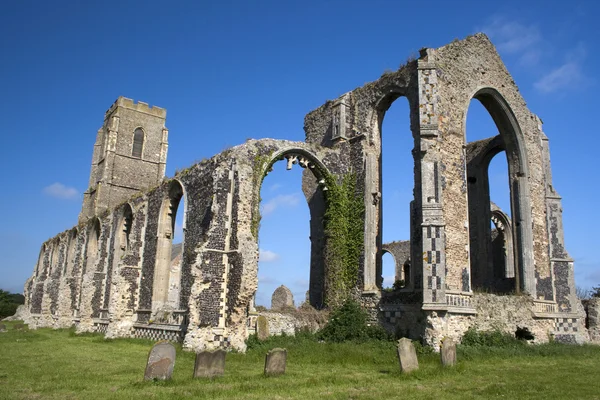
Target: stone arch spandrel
464 69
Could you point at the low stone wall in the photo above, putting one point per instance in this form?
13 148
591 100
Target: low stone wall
592 309
289 322
504 313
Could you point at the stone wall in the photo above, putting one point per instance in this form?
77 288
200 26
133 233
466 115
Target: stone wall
592 309
92 277
292 321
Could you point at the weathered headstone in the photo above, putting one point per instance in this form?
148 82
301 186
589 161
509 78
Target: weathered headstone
2 328
210 364
262 327
407 355
282 299
275 362
19 327
448 352
161 361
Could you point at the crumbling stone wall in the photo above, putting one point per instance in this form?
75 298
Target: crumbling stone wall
90 284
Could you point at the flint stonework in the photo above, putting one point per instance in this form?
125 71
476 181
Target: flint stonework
275 362
210 364
161 362
407 355
116 271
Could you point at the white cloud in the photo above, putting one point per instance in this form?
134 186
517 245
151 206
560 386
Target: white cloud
569 74
178 234
388 281
60 191
275 186
513 37
282 200
267 256
267 280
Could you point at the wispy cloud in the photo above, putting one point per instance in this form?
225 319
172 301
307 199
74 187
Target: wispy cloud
388 281
527 44
60 191
178 234
267 256
267 280
275 187
282 200
568 74
512 37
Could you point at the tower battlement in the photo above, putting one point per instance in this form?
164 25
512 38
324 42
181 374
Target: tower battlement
138 106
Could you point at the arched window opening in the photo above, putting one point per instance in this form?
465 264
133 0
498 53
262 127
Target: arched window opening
70 258
121 247
125 229
138 143
167 271
91 255
284 240
397 188
40 264
54 258
390 272
495 171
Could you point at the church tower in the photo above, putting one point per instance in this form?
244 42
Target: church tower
130 155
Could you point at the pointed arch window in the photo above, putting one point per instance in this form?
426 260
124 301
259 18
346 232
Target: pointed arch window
138 143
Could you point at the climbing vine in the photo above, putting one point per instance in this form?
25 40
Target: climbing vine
344 224
258 175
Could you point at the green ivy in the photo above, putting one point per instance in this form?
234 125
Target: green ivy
258 175
344 224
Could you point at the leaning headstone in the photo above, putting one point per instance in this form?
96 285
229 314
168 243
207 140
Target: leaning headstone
19 327
209 364
275 362
262 327
407 355
282 299
2 328
448 352
161 361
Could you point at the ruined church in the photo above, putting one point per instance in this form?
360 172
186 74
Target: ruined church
113 272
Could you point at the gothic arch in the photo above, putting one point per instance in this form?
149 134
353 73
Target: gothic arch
316 199
511 140
70 255
161 297
373 270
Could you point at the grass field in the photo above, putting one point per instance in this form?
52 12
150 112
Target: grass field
48 364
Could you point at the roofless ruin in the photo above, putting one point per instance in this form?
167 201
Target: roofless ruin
112 273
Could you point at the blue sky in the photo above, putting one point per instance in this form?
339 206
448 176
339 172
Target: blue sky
232 70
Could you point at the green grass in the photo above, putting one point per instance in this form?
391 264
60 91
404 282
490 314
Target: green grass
56 364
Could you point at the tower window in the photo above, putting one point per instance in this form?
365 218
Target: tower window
138 143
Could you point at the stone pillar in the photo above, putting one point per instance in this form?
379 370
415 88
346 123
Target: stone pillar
432 219
371 223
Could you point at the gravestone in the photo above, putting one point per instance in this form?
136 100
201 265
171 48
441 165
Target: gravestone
161 361
210 364
275 362
2 328
282 299
407 355
448 352
262 327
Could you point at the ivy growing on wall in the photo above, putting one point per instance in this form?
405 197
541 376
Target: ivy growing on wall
344 222
258 175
